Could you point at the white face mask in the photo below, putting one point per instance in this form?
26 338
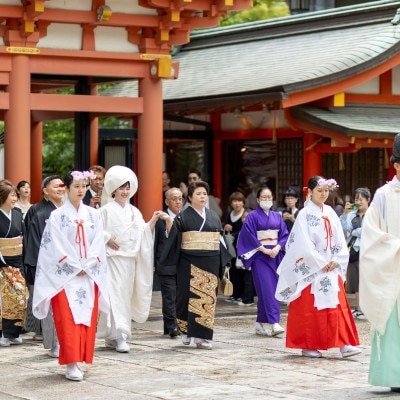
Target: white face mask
266 204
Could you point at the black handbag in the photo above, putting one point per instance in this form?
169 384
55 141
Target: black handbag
353 254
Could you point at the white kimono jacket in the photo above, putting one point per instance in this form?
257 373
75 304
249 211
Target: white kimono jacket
72 241
130 267
315 239
380 256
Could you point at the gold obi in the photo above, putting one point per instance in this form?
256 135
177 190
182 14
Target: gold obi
11 246
194 240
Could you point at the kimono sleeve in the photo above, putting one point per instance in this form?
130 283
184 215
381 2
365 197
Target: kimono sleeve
172 245
300 263
57 265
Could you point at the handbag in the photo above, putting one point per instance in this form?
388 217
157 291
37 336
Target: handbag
226 286
353 255
229 238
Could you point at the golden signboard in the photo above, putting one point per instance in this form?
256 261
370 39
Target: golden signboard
23 50
147 56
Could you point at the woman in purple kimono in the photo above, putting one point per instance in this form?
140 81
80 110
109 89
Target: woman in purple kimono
261 247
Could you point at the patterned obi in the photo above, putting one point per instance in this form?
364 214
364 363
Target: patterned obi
194 240
268 237
11 246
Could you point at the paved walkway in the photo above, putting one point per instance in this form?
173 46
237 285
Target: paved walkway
241 366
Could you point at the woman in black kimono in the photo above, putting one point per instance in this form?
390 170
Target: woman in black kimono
194 245
12 282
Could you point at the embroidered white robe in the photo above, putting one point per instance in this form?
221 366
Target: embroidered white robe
312 244
72 242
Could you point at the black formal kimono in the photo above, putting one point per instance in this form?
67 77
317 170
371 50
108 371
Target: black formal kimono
12 281
35 222
87 197
241 278
199 265
167 277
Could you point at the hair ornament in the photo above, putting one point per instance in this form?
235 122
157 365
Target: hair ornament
331 183
80 175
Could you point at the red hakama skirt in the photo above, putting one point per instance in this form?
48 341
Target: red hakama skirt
76 340
310 328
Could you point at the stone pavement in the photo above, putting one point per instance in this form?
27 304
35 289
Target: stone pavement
241 365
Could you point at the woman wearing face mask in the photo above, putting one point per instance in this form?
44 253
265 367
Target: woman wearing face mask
261 246
312 276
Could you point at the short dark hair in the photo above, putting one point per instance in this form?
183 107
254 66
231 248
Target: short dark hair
237 196
194 185
261 189
98 168
363 192
46 181
6 187
313 182
194 171
21 184
290 193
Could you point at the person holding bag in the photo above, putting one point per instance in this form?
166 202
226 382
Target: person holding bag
240 277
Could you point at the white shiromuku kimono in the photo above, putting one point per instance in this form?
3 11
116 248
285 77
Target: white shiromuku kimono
380 257
316 239
130 274
72 241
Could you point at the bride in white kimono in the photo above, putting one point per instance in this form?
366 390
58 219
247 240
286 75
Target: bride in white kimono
129 244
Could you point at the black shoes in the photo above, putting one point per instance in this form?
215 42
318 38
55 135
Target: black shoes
174 333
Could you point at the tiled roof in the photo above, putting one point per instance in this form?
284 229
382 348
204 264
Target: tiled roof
353 120
277 57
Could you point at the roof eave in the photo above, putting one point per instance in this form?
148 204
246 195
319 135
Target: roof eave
190 105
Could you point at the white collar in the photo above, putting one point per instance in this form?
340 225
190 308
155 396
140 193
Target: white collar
171 214
7 215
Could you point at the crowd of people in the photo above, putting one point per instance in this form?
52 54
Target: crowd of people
79 265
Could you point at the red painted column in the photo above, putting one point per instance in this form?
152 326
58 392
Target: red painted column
17 137
36 162
94 134
312 161
150 147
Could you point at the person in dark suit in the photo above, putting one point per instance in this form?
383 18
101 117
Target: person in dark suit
167 273
93 195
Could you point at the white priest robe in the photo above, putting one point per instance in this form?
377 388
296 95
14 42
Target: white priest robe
130 275
380 256
72 241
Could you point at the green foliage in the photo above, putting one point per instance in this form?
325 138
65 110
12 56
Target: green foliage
58 147
114 122
261 10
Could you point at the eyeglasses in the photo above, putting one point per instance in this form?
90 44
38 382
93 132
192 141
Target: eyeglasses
176 199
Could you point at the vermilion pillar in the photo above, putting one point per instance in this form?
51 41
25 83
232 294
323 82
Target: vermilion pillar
312 161
150 145
17 138
36 161
94 134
